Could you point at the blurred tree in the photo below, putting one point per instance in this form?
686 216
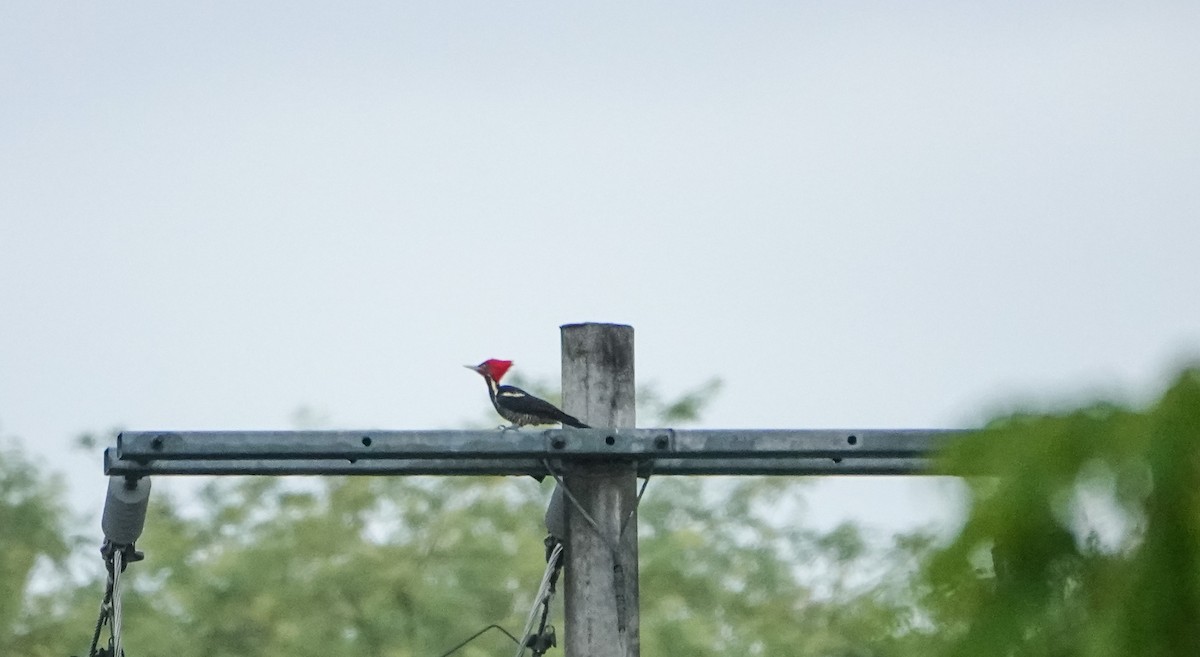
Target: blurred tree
1092 518
363 566
34 549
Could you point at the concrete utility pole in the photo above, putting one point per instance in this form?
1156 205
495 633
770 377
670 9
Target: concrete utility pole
601 578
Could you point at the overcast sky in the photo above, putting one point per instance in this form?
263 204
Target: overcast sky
857 214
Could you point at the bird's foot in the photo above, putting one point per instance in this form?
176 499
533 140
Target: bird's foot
511 427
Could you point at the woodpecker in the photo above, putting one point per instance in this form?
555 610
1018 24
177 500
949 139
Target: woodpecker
516 405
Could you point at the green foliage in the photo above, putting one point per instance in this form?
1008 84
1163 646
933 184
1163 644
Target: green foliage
408 566
371 566
720 575
32 536
1059 589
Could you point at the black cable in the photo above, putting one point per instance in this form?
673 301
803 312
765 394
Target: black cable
637 502
96 634
476 636
105 608
541 641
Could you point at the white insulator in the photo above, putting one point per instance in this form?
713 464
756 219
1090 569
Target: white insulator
125 509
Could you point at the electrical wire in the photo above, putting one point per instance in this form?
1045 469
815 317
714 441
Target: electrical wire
542 599
637 502
117 565
105 607
476 636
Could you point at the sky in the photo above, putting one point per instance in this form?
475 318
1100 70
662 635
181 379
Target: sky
858 214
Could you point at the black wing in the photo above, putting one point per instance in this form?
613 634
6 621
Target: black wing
519 401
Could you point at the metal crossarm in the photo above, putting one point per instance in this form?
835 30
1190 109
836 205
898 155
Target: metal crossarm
663 451
396 467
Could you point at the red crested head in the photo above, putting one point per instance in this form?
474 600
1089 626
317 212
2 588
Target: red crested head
493 368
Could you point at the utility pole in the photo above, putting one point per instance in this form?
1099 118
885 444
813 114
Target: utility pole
601 578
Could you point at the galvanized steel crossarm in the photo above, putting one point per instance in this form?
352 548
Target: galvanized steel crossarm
115 466
143 446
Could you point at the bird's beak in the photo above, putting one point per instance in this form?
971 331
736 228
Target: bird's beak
472 367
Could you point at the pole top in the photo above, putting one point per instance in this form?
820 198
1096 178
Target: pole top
608 325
